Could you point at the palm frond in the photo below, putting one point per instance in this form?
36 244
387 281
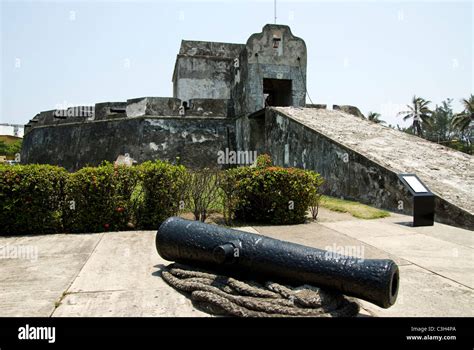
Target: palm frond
462 120
405 112
426 119
468 104
408 116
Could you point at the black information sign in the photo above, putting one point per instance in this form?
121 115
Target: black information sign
423 200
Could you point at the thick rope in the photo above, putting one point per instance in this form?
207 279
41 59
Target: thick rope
223 295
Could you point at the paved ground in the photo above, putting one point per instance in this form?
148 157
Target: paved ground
118 273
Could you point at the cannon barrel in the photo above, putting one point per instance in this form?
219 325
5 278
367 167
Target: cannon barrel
260 257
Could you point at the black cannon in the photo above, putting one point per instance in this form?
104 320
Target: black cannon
263 258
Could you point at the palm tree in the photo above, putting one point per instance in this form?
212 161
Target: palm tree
420 113
375 117
463 120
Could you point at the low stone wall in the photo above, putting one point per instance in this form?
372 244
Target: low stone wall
156 106
196 141
109 110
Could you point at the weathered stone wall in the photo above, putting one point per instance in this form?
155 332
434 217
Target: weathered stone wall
204 70
265 61
108 110
239 83
211 108
76 114
209 48
202 77
351 172
347 174
146 128
250 132
157 106
167 106
195 140
242 133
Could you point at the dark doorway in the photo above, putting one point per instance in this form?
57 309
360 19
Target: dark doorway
277 92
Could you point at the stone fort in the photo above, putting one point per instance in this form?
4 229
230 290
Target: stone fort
252 98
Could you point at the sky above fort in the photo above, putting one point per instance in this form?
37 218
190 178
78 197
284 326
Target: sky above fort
375 54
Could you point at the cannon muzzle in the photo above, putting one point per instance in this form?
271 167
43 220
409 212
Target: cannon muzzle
264 258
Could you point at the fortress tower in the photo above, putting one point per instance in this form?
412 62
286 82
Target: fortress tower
269 70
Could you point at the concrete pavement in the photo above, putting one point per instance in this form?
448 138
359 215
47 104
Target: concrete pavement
118 273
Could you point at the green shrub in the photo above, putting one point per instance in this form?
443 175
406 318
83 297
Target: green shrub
31 197
271 195
98 198
47 199
161 192
264 161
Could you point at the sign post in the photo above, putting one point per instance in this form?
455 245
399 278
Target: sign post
423 200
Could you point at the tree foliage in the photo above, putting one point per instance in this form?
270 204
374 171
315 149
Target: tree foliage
375 118
272 195
10 149
418 110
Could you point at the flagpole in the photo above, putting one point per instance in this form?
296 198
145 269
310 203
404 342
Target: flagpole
275 8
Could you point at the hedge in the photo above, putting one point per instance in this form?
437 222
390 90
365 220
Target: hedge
159 194
31 199
98 199
38 199
269 194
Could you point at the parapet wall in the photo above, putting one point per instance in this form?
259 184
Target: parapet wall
137 107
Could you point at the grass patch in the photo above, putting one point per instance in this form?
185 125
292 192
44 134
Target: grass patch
356 209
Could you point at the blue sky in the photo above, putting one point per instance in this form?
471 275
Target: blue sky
375 54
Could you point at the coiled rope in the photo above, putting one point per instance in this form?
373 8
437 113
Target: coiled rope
224 295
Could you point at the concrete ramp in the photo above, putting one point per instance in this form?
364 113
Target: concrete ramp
360 160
